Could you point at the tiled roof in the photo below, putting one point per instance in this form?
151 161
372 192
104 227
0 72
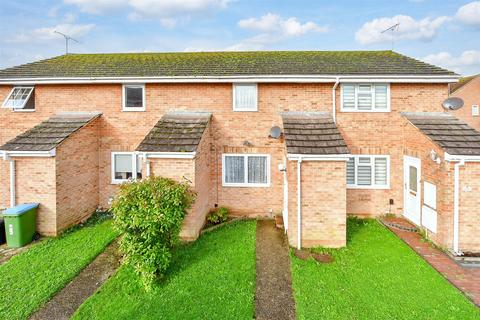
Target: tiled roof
312 133
224 64
451 134
176 132
49 134
463 81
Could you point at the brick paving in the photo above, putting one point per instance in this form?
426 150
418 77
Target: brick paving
465 279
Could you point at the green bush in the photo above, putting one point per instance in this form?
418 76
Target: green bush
218 216
149 214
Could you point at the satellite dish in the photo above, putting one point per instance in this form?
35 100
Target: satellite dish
275 132
452 103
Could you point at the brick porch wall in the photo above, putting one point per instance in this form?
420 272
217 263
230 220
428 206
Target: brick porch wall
469 209
77 176
324 209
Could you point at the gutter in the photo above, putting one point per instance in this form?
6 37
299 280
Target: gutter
237 78
318 157
6 154
168 155
334 99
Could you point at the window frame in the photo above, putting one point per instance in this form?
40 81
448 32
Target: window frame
477 112
134 166
372 174
234 85
246 184
124 97
357 85
20 109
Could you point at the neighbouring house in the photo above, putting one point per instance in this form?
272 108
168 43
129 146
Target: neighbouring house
468 89
362 133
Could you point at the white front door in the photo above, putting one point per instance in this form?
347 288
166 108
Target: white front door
412 189
285 196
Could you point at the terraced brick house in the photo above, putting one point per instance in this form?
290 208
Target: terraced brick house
361 133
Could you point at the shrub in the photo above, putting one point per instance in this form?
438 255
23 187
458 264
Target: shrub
218 216
149 214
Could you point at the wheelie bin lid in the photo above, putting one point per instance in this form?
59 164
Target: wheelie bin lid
20 209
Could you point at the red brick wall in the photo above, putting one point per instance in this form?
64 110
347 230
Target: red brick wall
469 209
323 202
470 93
35 182
77 176
231 131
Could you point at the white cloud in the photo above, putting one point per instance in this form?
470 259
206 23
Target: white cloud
48 33
409 29
467 62
274 23
97 6
469 13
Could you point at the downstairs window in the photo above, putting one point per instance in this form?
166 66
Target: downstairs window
246 170
368 172
124 164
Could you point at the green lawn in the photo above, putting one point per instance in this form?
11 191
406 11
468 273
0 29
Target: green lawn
213 278
376 276
30 279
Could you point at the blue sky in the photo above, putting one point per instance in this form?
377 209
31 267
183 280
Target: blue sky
442 32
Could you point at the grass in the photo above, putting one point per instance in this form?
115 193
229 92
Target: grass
30 279
376 276
213 278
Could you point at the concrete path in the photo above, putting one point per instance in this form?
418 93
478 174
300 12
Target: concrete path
273 296
465 279
66 302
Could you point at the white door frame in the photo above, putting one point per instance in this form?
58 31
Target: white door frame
408 161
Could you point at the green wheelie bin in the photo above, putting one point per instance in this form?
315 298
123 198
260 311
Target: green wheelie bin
20 224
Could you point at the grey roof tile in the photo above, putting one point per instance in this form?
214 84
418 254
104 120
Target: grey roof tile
213 64
50 133
312 133
176 132
451 134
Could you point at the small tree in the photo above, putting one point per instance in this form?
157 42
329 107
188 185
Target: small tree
149 214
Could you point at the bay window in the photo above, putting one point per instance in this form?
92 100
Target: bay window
369 172
246 170
365 97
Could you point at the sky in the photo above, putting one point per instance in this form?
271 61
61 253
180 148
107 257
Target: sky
441 32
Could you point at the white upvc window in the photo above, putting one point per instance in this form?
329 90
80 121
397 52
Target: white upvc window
245 97
365 97
246 170
133 97
475 110
20 99
124 164
368 172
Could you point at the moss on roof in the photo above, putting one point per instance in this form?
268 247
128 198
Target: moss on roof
224 64
461 82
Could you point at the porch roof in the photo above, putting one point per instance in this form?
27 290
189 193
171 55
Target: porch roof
312 133
451 134
176 132
50 133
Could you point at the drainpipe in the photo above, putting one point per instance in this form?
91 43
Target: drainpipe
456 201
299 203
12 183
334 99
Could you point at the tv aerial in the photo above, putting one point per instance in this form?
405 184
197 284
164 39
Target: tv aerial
392 30
67 39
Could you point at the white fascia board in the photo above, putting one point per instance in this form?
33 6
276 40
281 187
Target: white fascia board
318 157
454 158
239 79
169 155
41 154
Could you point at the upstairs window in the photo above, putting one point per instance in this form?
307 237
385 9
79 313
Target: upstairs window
246 170
124 164
365 97
245 97
20 99
370 172
134 97
475 111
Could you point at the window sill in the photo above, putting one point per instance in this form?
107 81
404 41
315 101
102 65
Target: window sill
369 187
365 111
21 110
256 110
134 110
